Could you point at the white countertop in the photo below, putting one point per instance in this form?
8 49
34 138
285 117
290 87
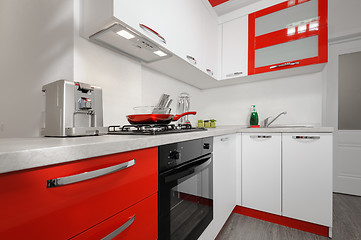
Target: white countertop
25 153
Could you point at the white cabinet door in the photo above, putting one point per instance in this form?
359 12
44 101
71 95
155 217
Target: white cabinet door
186 26
152 14
261 171
224 176
239 169
307 177
235 48
224 183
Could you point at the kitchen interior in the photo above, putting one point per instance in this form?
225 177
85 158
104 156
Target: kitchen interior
292 174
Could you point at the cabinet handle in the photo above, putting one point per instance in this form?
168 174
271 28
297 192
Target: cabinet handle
233 74
209 71
224 139
284 65
119 230
148 29
56 182
260 136
192 60
306 137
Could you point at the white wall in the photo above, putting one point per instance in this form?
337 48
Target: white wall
344 17
36 47
154 84
118 76
125 83
300 96
304 97
39 44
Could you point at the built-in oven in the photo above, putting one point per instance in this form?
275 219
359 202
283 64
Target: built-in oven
185 202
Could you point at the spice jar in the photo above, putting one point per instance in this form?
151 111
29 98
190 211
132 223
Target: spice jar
213 123
207 124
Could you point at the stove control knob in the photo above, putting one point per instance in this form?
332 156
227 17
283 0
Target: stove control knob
174 155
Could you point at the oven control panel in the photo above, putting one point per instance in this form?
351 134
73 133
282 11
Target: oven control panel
174 154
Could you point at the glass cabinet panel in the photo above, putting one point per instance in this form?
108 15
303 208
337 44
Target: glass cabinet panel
288 51
291 15
290 34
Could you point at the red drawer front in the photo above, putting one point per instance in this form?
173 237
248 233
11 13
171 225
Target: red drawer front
30 210
137 222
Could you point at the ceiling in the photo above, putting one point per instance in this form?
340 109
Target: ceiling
222 7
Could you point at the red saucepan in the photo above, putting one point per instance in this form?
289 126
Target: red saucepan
155 118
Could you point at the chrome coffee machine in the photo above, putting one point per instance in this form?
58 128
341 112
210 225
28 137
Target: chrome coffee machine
73 109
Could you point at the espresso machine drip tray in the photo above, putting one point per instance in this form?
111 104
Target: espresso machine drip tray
86 131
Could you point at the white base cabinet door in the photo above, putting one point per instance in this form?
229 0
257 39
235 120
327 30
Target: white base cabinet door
224 183
261 171
307 177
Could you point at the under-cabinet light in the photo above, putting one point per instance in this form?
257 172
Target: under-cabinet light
291 30
160 53
302 28
125 34
313 25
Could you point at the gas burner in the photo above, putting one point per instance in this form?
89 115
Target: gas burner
151 129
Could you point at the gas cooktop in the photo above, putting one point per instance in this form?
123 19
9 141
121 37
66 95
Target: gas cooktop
152 129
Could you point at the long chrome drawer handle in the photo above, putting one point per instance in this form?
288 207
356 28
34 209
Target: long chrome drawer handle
260 136
306 137
120 229
284 65
56 182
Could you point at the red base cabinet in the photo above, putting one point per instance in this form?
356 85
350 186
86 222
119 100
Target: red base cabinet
290 34
138 222
32 210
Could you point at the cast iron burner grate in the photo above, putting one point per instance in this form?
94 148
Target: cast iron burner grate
149 129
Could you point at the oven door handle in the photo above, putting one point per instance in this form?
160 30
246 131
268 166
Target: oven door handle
190 168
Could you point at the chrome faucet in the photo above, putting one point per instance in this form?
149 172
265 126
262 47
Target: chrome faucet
266 123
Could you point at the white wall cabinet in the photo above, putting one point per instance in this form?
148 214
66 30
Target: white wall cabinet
224 183
307 177
187 26
149 13
235 48
261 171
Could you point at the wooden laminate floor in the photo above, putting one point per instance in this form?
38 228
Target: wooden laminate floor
346 224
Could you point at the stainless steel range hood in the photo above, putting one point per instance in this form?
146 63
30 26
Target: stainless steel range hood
126 41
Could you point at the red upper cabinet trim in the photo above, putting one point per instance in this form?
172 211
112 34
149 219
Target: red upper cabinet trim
278 7
323 35
281 36
217 2
251 43
299 63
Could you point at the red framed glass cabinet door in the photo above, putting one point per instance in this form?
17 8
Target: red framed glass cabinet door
290 34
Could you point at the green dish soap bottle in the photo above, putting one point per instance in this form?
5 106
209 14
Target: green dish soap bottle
253 121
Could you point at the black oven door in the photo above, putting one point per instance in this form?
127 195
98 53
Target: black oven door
186 200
